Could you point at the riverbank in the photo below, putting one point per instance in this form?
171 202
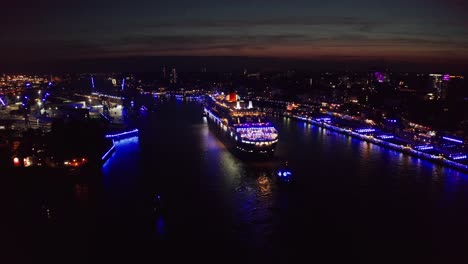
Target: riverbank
438 159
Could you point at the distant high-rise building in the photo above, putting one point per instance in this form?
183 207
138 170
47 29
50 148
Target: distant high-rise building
439 84
173 76
203 69
164 72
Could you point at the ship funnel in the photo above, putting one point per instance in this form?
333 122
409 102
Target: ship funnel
250 105
238 105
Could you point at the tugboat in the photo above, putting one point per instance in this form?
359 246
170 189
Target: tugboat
285 174
203 110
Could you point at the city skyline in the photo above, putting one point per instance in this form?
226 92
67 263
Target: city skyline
234 131
431 35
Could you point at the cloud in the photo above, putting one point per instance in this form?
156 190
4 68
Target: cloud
361 24
269 45
358 24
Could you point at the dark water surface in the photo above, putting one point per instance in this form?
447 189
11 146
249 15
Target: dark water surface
350 201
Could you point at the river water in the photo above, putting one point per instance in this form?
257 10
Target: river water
349 201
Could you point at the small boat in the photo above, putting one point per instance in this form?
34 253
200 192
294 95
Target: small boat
158 206
284 174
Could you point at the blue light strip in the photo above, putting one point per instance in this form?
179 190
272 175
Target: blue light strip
3 103
386 136
92 81
255 128
424 147
453 140
107 118
121 134
123 83
402 148
365 130
109 151
106 95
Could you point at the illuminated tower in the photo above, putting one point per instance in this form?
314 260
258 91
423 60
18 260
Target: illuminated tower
444 86
92 82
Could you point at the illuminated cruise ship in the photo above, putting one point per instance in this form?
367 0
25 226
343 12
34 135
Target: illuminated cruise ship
241 125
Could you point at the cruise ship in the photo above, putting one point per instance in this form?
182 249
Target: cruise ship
243 127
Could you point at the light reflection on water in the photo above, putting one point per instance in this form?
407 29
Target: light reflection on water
248 187
123 164
264 185
81 191
161 231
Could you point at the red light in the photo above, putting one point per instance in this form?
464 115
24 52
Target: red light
16 161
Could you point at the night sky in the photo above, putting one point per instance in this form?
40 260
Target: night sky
399 31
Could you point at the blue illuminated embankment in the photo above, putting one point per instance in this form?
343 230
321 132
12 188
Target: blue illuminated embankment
381 141
118 136
123 157
108 152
